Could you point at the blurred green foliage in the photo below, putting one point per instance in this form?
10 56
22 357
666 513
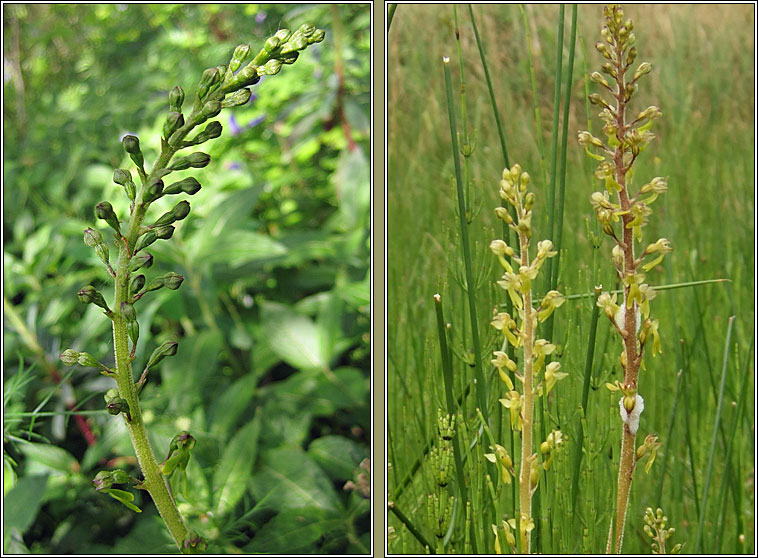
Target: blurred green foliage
272 373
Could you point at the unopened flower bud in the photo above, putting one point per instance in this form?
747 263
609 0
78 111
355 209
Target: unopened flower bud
642 70
503 214
116 405
131 146
173 280
145 240
176 99
92 237
86 359
270 68
631 56
246 76
208 81
165 232
603 49
181 210
153 191
104 211
129 313
236 99
213 129
174 121
189 185
124 178
145 259
69 357
529 200
167 349
210 109
90 295
137 282
241 53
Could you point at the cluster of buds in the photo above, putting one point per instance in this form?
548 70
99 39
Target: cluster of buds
519 274
655 528
624 217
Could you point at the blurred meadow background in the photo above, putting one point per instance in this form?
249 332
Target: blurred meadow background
703 80
272 372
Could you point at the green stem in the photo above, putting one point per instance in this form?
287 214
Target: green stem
481 388
154 482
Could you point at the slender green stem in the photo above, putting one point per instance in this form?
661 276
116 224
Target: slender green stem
481 387
585 399
411 527
390 14
493 101
711 458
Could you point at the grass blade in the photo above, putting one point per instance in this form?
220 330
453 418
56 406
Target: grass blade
709 471
481 387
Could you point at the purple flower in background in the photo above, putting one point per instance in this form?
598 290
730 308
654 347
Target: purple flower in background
260 17
236 129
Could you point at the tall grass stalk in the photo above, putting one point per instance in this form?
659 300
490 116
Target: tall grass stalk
717 422
481 387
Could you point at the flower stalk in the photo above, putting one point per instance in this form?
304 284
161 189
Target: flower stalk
536 378
625 139
219 87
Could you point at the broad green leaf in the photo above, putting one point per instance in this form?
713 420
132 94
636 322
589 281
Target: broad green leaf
296 532
53 457
329 325
294 338
236 465
232 403
22 503
337 456
289 479
236 248
352 181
